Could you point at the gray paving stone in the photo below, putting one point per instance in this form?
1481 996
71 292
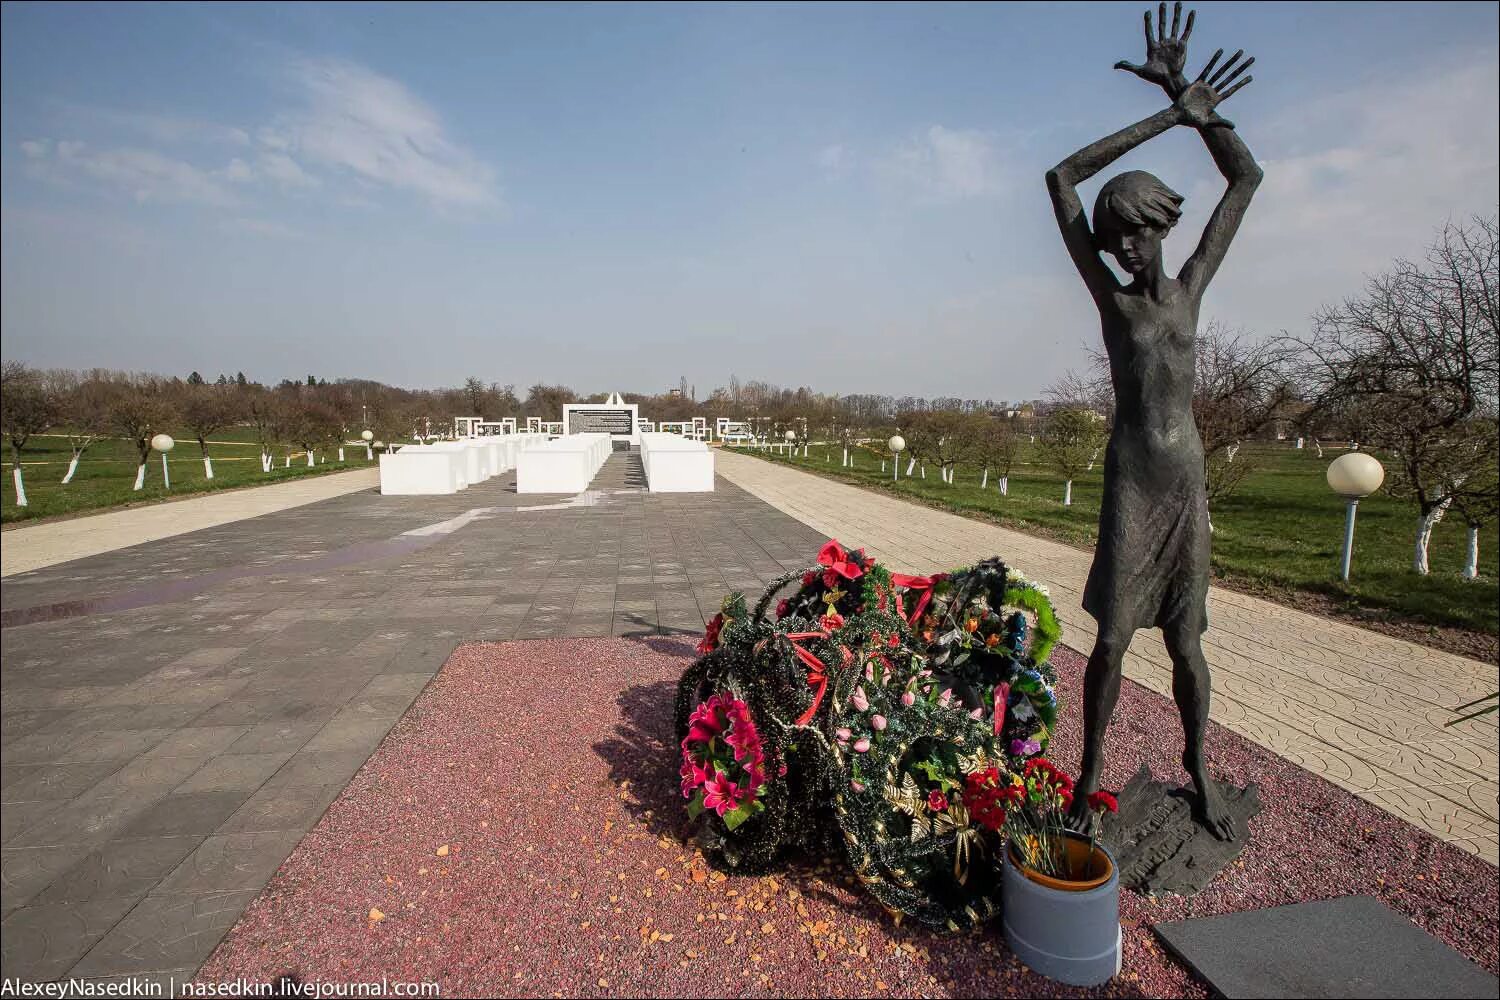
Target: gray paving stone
292 807
119 869
232 771
185 814
231 861
198 741
28 782
18 816
163 933
41 943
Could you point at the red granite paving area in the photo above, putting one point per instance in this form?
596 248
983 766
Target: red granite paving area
546 770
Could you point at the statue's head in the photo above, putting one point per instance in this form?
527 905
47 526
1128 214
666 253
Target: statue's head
1132 215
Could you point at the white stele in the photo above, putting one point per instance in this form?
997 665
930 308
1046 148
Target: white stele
562 465
675 464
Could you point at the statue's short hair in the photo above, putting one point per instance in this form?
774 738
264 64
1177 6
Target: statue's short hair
1135 198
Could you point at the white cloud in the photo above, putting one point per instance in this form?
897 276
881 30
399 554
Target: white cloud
36 149
285 171
261 227
371 126
143 174
239 171
943 164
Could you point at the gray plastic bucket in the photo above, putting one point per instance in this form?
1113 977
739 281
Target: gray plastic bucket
1072 937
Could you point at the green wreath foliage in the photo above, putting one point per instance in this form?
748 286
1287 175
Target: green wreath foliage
874 696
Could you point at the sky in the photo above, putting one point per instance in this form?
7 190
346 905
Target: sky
613 197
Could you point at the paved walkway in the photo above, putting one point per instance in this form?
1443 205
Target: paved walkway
1361 709
178 714
35 546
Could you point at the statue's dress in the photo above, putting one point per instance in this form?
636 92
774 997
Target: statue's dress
1151 566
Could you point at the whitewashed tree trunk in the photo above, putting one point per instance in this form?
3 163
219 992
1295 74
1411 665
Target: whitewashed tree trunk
924 470
1425 523
341 454
846 458
1471 560
912 464
984 482
369 455
72 468
310 462
15 474
1231 450
1300 443
208 467
288 462
1005 486
1210 516
1318 445
140 477
1092 459
1068 494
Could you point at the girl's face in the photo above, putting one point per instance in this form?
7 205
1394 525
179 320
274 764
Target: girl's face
1135 247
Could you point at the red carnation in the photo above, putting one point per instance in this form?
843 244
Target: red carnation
936 800
1104 802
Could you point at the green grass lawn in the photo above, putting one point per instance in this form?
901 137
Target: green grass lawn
1282 530
107 472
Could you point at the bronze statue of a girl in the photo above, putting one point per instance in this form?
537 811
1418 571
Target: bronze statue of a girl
1151 565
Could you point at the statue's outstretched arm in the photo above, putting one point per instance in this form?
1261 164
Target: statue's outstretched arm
1238 166
1062 185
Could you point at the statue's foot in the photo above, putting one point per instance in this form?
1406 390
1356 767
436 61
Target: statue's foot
1081 819
1210 811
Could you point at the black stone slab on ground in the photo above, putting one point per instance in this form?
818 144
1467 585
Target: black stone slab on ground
1157 844
1355 946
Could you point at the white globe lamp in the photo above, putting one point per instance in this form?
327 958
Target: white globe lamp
1353 476
163 443
897 444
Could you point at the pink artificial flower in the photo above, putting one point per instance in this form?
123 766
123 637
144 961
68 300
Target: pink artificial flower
719 793
856 786
831 622
693 775
908 698
1002 700
946 697
862 744
843 734
877 722
858 699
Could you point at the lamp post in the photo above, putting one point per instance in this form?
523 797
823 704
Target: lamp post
1353 476
367 437
897 444
163 443
791 437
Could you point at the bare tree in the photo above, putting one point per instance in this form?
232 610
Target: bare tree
206 409
139 409
83 411
1410 362
996 445
26 408
1069 440
1477 502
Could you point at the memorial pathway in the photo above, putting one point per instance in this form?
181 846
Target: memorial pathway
34 546
1363 710
177 714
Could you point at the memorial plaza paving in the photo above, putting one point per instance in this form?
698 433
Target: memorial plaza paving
179 709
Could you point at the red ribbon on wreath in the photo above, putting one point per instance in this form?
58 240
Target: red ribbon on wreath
919 583
817 673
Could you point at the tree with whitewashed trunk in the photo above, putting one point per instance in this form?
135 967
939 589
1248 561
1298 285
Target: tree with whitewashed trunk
1412 366
1479 501
139 407
205 410
1068 441
27 408
83 411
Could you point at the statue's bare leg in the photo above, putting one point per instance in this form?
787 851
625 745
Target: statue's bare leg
1101 689
1191 689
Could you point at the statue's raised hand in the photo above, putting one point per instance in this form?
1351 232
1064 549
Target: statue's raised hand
1166 54
1198 101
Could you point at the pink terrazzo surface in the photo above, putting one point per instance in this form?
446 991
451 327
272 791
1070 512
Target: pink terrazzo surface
546 770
